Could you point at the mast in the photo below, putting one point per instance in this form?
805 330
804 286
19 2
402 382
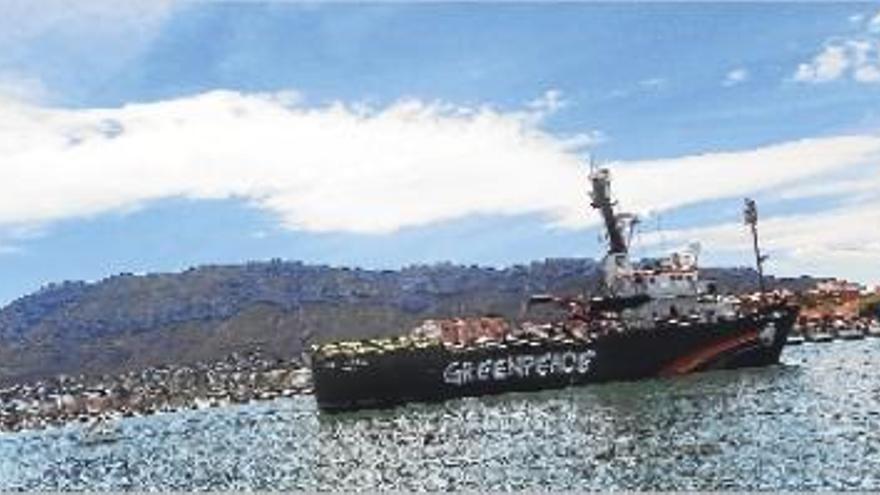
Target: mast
750 215
601 200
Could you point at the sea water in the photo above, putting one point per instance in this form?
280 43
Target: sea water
812 422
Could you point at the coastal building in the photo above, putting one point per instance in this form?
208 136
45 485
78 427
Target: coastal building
831 299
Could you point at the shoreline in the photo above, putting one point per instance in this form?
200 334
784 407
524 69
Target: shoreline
63 400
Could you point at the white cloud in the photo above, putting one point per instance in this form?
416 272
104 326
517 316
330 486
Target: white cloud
337 168
653 185
828 65
832 187
867 74
857 57
841 242
359 169
548 103
19 87
736 76
583 140
11 237
874 24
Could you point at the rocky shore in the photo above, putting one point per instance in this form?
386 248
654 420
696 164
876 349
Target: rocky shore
238 378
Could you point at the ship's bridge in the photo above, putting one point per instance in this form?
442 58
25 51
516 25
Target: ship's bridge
673 276
665 283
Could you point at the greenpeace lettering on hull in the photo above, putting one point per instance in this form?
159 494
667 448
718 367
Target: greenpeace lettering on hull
520 366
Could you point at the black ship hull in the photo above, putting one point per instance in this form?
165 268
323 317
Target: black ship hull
358 375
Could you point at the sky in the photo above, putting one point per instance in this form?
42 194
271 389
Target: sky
151 136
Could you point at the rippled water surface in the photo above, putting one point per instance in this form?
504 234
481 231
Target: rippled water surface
811 423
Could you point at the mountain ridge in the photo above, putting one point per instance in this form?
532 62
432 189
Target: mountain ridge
127 321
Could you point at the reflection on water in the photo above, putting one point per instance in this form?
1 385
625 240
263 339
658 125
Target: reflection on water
813 422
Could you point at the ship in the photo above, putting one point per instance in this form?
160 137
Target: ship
656 319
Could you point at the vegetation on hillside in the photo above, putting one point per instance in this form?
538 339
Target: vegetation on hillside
129 322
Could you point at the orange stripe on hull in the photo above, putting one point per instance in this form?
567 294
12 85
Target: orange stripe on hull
694 360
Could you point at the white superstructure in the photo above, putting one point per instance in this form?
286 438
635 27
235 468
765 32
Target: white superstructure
670 286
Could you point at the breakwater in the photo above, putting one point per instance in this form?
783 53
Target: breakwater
239 378
810 424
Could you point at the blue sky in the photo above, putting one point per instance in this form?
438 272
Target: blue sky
389 134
